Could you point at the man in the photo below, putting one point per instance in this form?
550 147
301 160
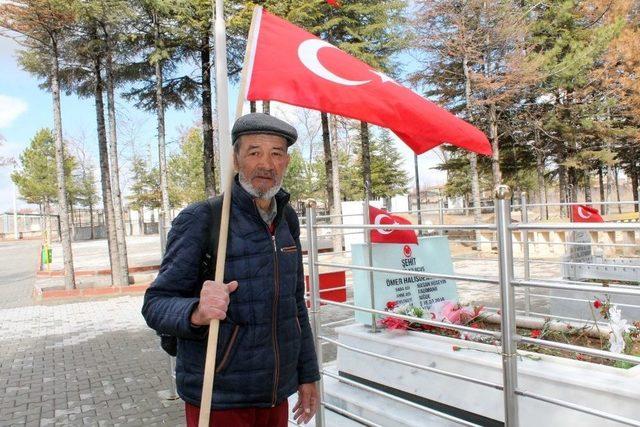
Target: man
265 349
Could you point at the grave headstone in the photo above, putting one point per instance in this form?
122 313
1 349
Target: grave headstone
431 254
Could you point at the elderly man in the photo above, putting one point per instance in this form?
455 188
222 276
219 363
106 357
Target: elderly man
265 348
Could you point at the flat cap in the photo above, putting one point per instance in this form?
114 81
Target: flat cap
257 123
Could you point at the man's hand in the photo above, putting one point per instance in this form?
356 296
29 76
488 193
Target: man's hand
214 301
307 404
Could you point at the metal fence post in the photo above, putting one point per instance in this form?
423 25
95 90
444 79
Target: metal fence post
507 299
367 240
172 393
314 293
525 251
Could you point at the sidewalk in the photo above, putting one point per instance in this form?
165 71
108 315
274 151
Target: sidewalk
88 363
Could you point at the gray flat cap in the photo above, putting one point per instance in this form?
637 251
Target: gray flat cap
256 123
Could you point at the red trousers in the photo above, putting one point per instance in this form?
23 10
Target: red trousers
245 417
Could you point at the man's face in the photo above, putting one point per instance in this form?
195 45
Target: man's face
261 161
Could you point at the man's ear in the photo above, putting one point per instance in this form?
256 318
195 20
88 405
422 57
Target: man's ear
235 162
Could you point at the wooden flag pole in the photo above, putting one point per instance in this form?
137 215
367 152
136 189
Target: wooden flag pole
226 157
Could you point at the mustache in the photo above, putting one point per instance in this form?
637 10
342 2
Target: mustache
263 173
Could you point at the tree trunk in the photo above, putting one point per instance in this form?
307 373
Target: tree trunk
542 198
562 189
617 184
336 210
207 118
603 207
47 224
587 187
493 136
328 164
473 157
635 175
91 220
266 107
475 191
164 185
417 179
121 240
608 188
105 178
67 253
574 184
366 158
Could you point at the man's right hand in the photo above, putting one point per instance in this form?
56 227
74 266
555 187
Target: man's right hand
214 301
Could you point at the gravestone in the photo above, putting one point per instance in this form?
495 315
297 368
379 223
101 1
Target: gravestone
582 265
431 254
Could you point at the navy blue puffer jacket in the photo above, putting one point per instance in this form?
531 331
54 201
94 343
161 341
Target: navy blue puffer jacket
265 345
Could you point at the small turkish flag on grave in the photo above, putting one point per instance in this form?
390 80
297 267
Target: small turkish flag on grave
584 213
381 235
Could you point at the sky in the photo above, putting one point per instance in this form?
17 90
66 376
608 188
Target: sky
25 108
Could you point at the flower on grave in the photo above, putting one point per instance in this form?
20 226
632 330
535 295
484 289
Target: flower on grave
455 313
536 333
603 306
391 305
619 327
456 348
394 324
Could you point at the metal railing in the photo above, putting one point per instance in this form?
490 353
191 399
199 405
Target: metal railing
508 284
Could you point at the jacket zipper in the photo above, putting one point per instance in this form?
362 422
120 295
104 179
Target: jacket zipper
274 315
274 328
227 352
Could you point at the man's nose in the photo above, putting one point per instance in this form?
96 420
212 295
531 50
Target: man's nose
267 163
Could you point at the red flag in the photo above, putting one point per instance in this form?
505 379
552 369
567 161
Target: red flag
381 235
334 3
584 213
293 66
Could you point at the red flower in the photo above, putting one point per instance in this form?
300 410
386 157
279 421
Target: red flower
394 323
597 303
536 333
455 348
391 305
475 326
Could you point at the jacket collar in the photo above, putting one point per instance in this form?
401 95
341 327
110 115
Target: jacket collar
245 201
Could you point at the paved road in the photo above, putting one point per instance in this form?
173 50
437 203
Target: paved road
18 262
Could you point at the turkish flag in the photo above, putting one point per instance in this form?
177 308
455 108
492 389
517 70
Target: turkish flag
584 213
293 66
381 235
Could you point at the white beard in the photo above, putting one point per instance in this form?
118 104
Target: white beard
264 195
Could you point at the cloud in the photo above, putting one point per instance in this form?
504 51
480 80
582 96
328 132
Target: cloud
10 109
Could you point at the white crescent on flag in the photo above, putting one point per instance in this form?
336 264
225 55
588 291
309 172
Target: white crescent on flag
582 214
378 221
308 55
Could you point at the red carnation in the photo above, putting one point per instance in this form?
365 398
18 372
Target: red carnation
391 305
536 333
475 326
597 304
456 348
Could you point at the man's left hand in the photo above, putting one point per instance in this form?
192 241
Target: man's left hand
307 404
